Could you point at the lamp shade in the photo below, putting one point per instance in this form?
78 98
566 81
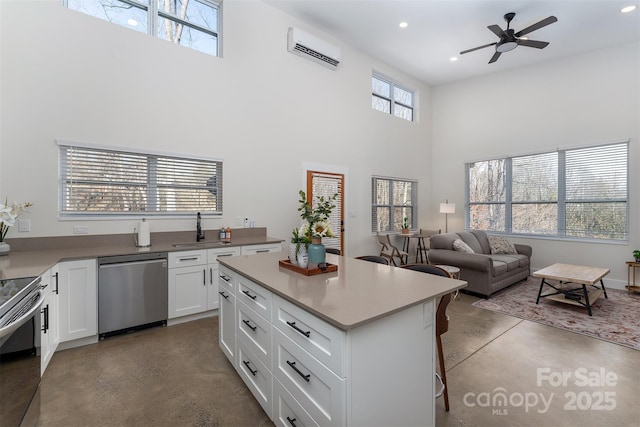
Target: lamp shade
447 208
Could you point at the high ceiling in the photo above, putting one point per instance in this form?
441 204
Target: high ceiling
440 29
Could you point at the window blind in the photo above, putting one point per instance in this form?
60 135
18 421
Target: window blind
98 181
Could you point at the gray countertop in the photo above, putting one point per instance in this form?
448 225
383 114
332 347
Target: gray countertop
359 292
35 262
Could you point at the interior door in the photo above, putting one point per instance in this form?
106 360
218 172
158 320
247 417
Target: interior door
327 184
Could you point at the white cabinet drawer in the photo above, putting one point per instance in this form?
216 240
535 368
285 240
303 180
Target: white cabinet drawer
214 254
256 376
227 280
187 258
322 340
259 249
319 391
287 412
255 331
255 296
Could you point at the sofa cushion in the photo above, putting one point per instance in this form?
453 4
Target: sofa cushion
512 263
460 246
443 241
471 240
499 268
483 241
500 245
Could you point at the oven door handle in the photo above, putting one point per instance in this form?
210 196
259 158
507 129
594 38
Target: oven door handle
22 319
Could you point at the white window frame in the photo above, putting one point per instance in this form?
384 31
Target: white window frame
154 13
393 220
393 86
561 200
149 186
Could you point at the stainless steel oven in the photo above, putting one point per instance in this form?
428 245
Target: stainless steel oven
20 321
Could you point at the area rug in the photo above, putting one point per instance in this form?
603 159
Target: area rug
616 319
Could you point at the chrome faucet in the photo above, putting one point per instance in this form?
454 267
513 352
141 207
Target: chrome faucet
199 233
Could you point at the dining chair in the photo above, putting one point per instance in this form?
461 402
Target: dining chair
424 246
334 251
442 320
390 252
373 258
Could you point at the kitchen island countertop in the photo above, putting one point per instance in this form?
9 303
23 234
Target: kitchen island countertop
358 293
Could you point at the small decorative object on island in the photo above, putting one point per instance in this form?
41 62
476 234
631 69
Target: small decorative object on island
316 226
8 215
636 255
405 225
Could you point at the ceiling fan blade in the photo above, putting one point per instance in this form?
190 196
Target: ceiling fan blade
479 47
495 57
496 30
533 43
537 25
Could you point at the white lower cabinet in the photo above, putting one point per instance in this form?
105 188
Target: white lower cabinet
49 335
227 316
261 249
78 299
380 373
213 297
187 283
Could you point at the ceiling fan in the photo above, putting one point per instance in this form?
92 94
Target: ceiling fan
509 39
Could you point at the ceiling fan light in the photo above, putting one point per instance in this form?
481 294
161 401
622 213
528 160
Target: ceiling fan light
506 46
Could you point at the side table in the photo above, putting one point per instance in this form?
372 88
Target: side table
631 276
453 271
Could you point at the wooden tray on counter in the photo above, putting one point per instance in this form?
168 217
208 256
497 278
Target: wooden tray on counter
285 263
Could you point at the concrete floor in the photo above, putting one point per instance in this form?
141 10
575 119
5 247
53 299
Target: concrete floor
177 376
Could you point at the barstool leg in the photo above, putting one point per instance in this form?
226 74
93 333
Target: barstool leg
443 374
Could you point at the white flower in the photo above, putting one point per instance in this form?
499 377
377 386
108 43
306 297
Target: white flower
321 229
8 215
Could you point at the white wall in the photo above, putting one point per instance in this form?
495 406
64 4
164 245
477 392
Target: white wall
264 111
581 100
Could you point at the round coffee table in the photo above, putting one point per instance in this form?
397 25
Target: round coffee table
453 271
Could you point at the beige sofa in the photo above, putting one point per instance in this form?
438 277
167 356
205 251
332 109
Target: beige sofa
485 272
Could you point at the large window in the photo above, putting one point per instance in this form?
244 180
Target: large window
393 200
574 193
389 97
191 23
99 182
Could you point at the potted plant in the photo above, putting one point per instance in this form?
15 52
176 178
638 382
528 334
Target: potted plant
636 255
405 225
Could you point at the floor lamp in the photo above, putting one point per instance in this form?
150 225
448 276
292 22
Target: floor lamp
446 208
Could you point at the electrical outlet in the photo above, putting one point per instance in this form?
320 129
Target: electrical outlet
24 225
80 229
246 223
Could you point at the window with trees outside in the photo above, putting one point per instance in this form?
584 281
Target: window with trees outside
573 193
96 181
393 199
190 23
389 97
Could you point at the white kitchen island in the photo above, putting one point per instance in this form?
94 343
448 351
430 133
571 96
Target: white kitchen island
353 347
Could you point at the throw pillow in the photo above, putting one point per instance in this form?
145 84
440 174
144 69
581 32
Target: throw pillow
500 245
461 246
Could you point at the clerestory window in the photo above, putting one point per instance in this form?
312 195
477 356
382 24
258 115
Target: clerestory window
574 193
96 181
190 23
390 97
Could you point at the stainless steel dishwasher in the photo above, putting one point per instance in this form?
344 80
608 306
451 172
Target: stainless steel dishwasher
132 292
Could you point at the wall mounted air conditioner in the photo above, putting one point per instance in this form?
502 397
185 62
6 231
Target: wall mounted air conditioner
311 47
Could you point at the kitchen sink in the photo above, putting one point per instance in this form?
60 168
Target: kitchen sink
198 244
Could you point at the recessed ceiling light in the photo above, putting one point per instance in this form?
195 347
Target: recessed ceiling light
132 22
403 25
628 9
453 59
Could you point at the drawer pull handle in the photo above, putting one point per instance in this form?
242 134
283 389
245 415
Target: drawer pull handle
204 276
247 293
223 295
293 365
211 276
225 278
219 255
246 363
246 322
292 421
188 259
261 251
305 333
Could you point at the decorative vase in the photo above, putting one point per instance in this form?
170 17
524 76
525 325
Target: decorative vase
292 254
317 252
405 231
4 248
302 256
